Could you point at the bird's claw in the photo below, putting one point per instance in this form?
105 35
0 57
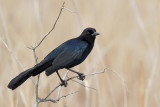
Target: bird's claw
64 83
81 76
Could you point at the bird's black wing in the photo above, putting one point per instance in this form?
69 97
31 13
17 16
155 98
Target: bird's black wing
69 57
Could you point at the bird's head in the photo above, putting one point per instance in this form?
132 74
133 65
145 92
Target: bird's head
89 34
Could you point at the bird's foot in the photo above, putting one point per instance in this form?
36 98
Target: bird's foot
81 76
64 83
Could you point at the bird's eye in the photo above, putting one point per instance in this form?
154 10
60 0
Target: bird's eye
89 32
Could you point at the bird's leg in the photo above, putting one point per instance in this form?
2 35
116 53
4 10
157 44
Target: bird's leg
81 75
64 82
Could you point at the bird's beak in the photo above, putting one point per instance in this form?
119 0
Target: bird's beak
95 34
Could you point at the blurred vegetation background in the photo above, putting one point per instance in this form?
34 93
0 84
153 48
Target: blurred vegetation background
129 44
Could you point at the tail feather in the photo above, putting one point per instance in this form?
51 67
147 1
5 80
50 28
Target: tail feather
41 67
17 81
22 77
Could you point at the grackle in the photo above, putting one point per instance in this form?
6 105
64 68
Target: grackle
67 55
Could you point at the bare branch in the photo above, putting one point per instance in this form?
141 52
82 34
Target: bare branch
4 25
121 78
55 100
57 87
12 53
125 90
97 72
71 78
14 56
48 99
69 10
94 73
52 91
33 48
68 95
78 13
52 27
84 85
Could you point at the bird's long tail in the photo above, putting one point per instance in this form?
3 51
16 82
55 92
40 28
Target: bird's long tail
18 80
22 77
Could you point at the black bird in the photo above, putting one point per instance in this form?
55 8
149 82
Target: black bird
67 55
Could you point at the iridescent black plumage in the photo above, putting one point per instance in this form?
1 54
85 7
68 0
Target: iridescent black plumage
67 55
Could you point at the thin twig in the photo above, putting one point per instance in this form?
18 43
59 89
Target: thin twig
52 27
33 48
97 72
52 91
69 10
57 87
48 99
67 95
84 85
78 14
14 56
4 24
37 83
55 100
125 90
71 78
17 99
121 78
12 53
